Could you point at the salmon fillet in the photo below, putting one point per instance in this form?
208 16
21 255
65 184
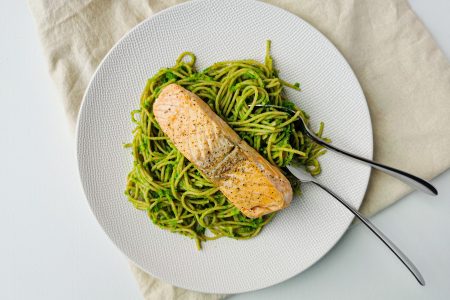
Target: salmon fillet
250 182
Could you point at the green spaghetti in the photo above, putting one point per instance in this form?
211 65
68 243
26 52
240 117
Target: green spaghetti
176 196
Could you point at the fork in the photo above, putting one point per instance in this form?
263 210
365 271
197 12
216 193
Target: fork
414 181
303 176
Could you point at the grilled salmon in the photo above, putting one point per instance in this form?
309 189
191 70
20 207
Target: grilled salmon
249 181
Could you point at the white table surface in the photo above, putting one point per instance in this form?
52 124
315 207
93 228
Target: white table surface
53 248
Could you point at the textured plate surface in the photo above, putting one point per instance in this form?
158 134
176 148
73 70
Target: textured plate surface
217 31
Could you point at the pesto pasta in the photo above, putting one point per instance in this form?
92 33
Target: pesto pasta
176 196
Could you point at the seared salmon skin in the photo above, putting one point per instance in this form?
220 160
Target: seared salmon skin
247 179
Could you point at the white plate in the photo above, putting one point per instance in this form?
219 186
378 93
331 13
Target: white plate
216 31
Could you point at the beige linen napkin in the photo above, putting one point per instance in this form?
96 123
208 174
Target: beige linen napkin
404 75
